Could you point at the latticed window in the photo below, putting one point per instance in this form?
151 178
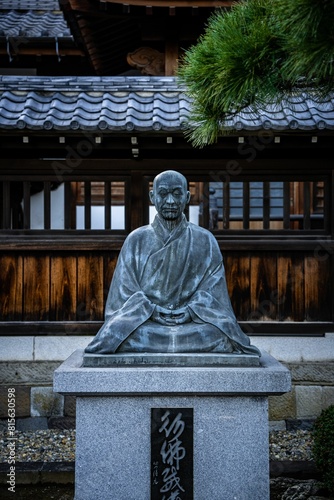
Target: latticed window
267 205
95 204
71 205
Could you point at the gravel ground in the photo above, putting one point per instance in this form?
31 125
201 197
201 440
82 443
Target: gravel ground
290 445
40 446
58 446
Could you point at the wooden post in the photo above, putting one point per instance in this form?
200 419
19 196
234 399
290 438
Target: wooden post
171 57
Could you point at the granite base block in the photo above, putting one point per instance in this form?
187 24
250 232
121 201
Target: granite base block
230 428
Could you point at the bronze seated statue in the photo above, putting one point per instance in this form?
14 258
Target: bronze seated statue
169 293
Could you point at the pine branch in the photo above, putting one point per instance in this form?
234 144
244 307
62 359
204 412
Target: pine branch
254 54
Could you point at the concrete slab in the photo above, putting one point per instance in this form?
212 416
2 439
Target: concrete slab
270 377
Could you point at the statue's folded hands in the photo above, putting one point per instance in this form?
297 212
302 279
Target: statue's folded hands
171 316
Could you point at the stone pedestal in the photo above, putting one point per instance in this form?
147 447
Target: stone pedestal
230 426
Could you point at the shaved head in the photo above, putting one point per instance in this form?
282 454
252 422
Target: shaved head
169 175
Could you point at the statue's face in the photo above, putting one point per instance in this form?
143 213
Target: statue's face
170 195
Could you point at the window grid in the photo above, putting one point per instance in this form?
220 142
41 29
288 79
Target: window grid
91 204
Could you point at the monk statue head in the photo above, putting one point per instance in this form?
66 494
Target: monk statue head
170 196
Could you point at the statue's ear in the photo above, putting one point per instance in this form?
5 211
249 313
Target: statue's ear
188 196
152 197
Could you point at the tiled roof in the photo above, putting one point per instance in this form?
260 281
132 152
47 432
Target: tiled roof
295 112
28 18
29 5
135 103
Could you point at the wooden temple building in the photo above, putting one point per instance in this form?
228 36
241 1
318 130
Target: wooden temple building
90 112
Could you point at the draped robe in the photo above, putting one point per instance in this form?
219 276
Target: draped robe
173 269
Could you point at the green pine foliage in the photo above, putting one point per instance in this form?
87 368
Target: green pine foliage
307 28
253 54
323 448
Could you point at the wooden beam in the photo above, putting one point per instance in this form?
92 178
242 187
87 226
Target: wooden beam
80 5
176 3
77 328
38 51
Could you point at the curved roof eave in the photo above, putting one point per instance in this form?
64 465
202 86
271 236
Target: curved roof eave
135 103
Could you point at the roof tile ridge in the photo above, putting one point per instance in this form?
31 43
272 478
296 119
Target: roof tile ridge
92 83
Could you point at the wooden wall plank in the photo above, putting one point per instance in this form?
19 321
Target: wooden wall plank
263 284
318 288
63 300
109 264
36 286
255 294
11 287
90 288
237 269
291 283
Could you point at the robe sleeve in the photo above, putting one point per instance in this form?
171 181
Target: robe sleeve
211 304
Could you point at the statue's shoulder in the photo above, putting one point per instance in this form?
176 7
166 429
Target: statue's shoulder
139 234
205 237
201 231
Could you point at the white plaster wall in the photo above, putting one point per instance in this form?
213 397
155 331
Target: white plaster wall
97 217
51 348
57 209
57 213
297 349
